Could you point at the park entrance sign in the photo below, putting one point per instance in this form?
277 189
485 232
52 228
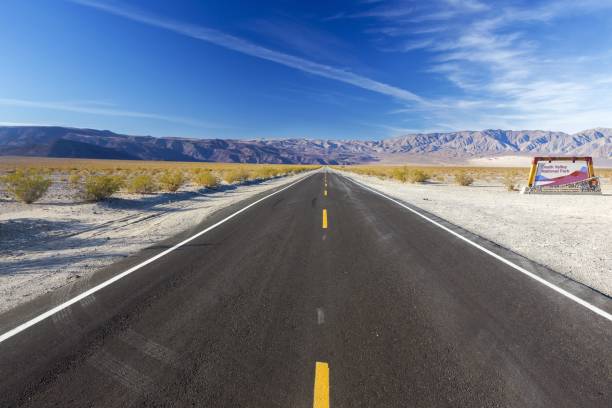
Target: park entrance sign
562 175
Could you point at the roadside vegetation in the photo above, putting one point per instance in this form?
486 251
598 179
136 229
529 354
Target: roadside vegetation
464 179
404 174
27 185
605 175
172 180
234 176
510 181
510 178
28 179
205 179
100 187
142 183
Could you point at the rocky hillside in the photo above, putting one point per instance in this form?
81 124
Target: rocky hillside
89 143
594 142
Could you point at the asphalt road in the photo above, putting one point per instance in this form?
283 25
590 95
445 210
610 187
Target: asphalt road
396 311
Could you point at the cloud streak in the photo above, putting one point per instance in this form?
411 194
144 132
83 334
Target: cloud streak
248 48
504 73
99 109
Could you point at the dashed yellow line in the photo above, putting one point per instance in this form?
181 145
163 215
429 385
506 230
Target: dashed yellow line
324 218
325 192
321 386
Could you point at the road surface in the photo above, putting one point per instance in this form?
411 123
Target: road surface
324 294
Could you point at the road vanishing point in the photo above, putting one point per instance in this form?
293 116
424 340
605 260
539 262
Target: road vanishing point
322 293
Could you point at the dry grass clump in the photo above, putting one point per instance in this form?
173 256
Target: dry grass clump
463 179
27 186
238 176
605 173
171 180
143 177
399 174
265 173
10 163
381 173
402 174
418 176
74 179
143 183
205 179
100 187
510 181
438 173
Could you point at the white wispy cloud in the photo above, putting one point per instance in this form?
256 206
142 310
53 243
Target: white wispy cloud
415 45
2 123
249 48
101 108
505 75
468 5
298 36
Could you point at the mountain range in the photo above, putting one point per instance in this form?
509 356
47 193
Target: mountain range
449 147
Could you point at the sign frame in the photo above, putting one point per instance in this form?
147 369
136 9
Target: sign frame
590 185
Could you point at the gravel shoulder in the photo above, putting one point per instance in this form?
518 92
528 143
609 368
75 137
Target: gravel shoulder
49 244
567 233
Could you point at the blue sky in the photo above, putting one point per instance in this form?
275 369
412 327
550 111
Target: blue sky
317 69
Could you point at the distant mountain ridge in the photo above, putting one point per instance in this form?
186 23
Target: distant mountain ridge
104 144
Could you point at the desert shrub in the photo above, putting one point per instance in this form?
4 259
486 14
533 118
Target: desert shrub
205 179
142 184
100 187
399 174
26 186
267 172
417 176
235 176
171 180
440 178
463 179
510 180
254 175
74 179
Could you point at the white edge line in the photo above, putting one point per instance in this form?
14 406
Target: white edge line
537 278
123 274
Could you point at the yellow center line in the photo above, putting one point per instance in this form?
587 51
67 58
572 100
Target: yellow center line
325 193
321 386
324 218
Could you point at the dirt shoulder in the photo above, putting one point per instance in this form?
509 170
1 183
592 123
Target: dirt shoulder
49 244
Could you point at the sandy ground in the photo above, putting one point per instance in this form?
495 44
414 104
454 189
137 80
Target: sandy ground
501 161
569 234
46 245
523 161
